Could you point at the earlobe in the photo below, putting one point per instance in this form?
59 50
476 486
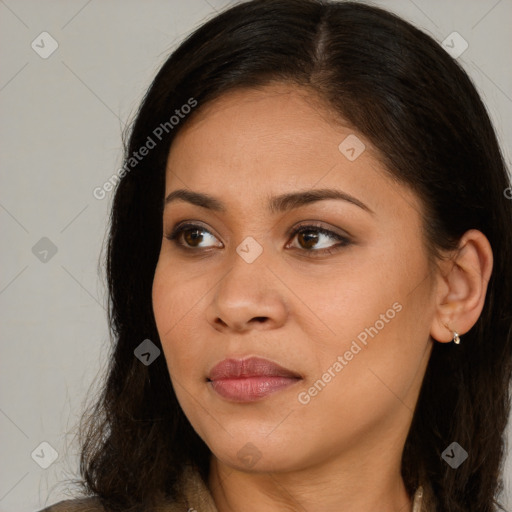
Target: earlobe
462 287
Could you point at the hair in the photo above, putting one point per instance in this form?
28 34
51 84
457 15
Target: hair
399 88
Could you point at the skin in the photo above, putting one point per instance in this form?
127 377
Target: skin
341 450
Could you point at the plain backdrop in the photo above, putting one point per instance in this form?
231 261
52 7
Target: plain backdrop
61 124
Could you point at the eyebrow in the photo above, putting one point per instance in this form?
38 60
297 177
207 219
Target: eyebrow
276 204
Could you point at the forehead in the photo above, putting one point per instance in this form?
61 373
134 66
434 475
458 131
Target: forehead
269 130
282 98
249 144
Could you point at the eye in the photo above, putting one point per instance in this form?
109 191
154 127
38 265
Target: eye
192 234
312 238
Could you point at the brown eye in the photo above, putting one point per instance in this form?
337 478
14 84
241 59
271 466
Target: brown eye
313 239
308 237
192 235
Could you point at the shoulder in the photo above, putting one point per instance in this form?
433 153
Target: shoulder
192 495
91 504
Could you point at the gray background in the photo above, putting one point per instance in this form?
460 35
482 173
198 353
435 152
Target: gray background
61 126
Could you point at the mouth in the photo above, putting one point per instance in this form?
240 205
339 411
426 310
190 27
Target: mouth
248 380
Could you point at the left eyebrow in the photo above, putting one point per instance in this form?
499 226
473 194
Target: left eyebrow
276 204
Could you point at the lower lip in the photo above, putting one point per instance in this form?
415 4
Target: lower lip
250 389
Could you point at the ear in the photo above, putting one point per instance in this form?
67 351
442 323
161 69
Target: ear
462 286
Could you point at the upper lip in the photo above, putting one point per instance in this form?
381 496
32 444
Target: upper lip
249 367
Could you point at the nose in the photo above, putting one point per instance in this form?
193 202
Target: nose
248 296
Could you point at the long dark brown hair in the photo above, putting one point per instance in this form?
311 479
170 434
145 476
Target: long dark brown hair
414 102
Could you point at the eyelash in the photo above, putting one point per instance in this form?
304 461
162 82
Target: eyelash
343 241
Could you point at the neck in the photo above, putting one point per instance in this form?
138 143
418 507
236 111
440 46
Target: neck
359 486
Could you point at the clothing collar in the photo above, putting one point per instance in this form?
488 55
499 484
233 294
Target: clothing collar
196 496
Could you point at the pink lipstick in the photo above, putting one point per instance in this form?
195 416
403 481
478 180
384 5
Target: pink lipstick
248 380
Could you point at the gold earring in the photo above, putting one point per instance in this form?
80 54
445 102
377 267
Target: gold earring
456 337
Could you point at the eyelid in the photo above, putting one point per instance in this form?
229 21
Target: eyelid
190 224
321 226
344 239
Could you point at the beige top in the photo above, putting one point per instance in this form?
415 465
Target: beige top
197 498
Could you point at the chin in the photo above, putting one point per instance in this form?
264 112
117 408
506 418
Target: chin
260 455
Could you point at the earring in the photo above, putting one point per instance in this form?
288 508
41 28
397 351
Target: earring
456 338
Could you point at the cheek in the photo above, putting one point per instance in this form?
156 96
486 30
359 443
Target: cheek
163 306
378 311
173 307
363 287
176 296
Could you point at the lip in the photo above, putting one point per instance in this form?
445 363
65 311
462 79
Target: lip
247 380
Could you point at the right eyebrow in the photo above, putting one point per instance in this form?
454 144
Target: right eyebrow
276 204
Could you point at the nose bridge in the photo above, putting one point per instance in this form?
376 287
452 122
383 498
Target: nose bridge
246 295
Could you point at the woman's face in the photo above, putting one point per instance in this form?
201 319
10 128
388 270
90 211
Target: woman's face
346 311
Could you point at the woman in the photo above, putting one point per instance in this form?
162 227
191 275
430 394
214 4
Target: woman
309 276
